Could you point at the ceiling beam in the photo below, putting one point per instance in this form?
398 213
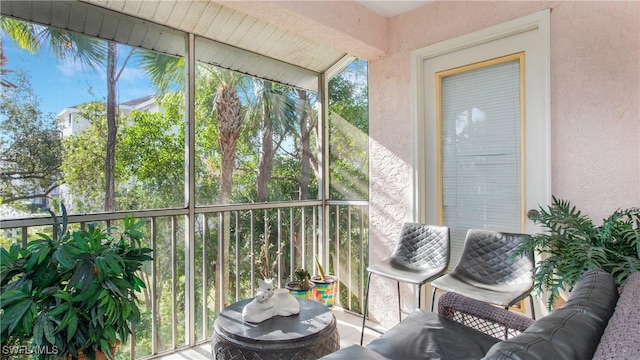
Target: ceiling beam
345 25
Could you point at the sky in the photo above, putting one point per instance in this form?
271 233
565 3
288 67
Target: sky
61 84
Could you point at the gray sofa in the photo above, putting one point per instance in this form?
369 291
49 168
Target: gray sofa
595 322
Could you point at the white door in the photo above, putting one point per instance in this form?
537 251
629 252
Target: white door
482 129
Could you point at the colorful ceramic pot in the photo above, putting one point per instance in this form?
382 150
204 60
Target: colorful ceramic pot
325 290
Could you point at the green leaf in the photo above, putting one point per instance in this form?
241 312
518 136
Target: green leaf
113 261
104 346
64 323
83 274
49 331
38 330
73 326
12 316
138 283
62 295
126 311
113 287
58 310
11 296
63 257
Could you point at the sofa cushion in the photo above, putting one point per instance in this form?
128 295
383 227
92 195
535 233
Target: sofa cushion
621 338
425 335
571 332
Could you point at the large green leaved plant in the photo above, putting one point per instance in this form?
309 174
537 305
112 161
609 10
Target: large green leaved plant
572 244
72 292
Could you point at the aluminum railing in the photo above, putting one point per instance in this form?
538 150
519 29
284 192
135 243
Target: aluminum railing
233 246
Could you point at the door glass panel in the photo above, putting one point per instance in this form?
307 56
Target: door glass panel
480 109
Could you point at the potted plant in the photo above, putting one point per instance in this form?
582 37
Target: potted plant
73 294
301 287
326 286
573 244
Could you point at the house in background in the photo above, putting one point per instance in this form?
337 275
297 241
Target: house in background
71 122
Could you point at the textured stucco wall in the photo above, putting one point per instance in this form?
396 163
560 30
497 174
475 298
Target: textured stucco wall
595 109
595 77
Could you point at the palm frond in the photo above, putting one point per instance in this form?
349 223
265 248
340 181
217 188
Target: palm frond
21 33
165 72
90 52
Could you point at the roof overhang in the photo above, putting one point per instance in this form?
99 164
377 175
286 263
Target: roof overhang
234 39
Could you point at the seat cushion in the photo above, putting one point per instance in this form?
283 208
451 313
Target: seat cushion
489 269
498 294
393 269
571 332
425 335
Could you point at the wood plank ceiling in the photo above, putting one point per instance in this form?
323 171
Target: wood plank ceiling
229 38
225 25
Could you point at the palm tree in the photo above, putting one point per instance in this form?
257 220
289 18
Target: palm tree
276 110
228 110
308 122
165 72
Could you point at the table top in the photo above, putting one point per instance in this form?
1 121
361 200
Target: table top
314 319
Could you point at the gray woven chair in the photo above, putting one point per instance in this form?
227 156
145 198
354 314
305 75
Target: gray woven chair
489 271
421 255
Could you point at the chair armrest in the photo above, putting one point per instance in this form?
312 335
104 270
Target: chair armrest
489 319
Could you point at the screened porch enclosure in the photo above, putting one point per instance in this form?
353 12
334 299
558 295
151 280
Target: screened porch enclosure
246 159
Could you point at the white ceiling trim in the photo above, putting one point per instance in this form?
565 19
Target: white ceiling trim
238 41
226 25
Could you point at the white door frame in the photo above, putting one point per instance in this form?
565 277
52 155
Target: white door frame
539 21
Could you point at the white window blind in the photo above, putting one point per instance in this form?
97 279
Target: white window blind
481 151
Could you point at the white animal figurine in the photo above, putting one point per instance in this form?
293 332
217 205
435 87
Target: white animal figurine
266 286
263 307
258 310
286 304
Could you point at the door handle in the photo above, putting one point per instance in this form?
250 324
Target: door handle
532 214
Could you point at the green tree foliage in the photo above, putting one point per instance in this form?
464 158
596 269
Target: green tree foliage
150 166
83 163
349 134
153 146
30 146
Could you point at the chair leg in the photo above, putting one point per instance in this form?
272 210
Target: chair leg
399 303
506 329
533 309
365 310
433 297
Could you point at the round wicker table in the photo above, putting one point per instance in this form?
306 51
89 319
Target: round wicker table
309 335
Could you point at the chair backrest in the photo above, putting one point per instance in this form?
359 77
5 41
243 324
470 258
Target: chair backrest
489 257
423 246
